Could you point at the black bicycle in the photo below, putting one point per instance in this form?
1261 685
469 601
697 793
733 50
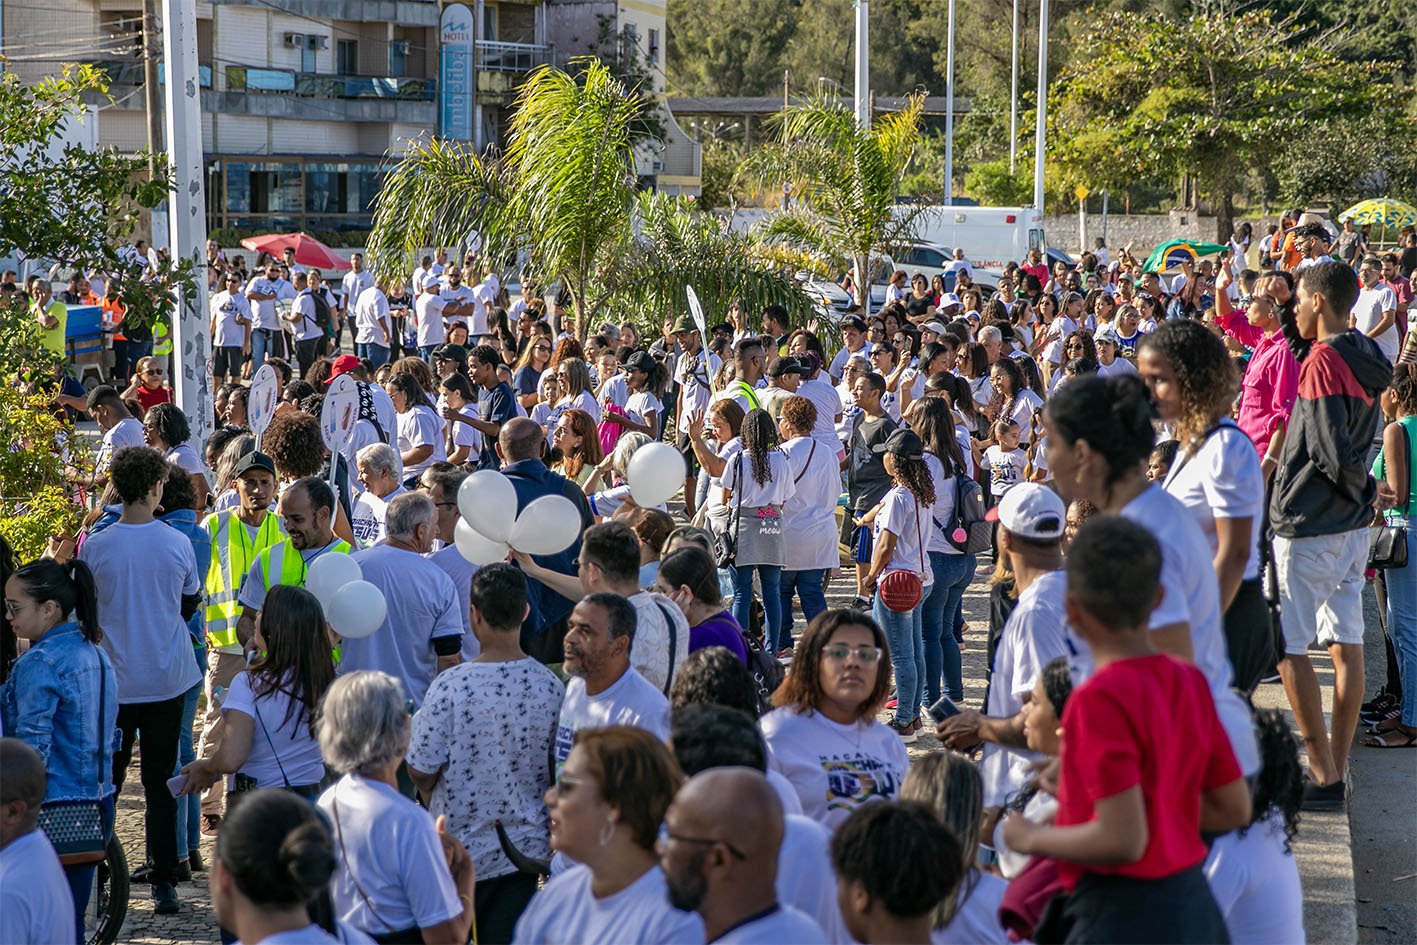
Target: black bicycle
108 903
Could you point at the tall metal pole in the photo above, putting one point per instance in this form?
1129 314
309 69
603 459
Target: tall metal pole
186 213
150 85
863 63
950 107
1039 142
1013 98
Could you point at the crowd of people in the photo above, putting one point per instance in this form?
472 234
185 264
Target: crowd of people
1175 480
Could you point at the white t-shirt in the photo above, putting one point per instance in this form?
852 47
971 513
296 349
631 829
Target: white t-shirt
306 328
1034 634
943 510
641 404
910 522
810 891
484 296
1119 365
565 910
977 921
354 284
276 744
35 902
370 306
225 307
835 768
488 728
265 309
420 426
956 266
1022 413
615 391
460 571
428 315
783 924
185 456
1006 469
585 400
1368 311
630 700
824 397
422 606
650 653
1223 480
389 844
747 491
694 384
459 296
141 573
367 522
126 432
1256 884
849 410
607 502
1191 596
809 530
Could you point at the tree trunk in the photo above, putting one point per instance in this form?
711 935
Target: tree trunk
1225 214
861 283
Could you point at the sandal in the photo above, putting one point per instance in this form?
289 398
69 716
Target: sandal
1387 724
1405 739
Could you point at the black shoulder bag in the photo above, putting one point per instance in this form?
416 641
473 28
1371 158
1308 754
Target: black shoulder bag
1387 545
75 828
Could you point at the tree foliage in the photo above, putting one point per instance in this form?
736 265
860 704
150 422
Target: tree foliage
846 180
1209 95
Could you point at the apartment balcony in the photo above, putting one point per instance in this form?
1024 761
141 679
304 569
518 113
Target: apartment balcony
402 12
493 56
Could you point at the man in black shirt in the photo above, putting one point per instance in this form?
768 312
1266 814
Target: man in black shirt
495 403
867 481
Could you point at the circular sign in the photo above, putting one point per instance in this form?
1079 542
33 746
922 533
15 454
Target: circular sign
265 394
338 416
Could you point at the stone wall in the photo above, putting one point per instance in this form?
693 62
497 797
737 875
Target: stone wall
1143 231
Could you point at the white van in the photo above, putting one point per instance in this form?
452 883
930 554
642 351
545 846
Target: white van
991 237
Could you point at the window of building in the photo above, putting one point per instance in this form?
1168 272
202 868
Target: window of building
398 58
347 56
653 52
307 57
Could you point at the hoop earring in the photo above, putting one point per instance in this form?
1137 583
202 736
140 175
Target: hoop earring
607 832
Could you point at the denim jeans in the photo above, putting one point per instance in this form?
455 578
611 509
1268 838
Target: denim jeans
771 577
808 587
907 657
939 613
426 351
1402 623
263 345
81 877
378 355
189 806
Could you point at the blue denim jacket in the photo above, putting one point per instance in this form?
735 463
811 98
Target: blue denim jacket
51 702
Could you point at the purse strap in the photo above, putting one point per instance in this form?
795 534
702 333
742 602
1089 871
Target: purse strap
102 694
274 754
673 642
798 478
738 493
344 858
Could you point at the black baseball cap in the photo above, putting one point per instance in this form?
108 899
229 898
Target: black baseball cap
777 367
253 460
906 445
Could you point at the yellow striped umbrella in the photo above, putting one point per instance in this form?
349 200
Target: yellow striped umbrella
1381 211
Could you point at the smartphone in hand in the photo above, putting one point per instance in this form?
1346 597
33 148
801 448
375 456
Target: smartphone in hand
176 784
943 709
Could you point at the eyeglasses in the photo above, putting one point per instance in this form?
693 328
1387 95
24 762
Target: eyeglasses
1075 346
565 784
153 371
666 836
840 654
12 608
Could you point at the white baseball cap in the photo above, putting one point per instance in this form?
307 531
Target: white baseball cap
937 327
1030 510
430 282
949 299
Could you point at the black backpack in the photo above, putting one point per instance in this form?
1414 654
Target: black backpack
767 672
323 316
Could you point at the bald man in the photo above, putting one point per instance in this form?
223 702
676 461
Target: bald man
719 850
35 902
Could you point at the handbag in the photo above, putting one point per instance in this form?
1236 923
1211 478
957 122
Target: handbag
609 432
725 544
902 590
1387 543
75 828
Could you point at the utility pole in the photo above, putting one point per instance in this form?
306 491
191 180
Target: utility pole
950 108
863 63
1013 98
1039 143
151 50
186 214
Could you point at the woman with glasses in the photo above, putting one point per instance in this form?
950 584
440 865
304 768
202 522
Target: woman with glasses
147 386
420 429
577 445
826 708
166 430
884 362
1078 345
607 807
400 878
574 392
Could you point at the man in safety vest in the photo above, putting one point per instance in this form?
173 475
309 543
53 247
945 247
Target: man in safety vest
238 535
307 509
749 364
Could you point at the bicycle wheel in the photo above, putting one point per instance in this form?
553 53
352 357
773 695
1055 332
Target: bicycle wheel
108 906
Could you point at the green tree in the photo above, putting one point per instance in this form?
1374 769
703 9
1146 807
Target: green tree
728 47
846 180
1209 95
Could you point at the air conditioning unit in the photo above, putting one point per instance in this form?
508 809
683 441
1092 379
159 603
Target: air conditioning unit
318 42
656 166
399 47
295 40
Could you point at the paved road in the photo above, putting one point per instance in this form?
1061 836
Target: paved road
1383 819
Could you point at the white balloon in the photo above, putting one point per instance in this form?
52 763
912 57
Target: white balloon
547 525
476 547
330 572
357 610
488 501
655 473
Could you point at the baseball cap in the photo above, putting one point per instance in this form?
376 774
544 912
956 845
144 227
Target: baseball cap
809 363
905 445
1105 333
685 323
253 460
949 299
937 327
640 361
342 365
853 321
430 282
451 353
1032 511
777 367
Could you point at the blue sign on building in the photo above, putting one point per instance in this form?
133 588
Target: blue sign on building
456 49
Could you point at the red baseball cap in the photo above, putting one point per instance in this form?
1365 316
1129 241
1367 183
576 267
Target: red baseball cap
342 365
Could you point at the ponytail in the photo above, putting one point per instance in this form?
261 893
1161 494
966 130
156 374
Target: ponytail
70 585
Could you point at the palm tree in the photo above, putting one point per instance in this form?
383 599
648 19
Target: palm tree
846 179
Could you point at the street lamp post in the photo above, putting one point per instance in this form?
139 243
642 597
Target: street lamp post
1013 98
1039 144
863 63
950 107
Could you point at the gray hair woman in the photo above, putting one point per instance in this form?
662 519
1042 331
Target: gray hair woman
400 877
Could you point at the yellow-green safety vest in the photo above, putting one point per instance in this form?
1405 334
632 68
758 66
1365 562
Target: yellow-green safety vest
162 340
289 568
233 552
